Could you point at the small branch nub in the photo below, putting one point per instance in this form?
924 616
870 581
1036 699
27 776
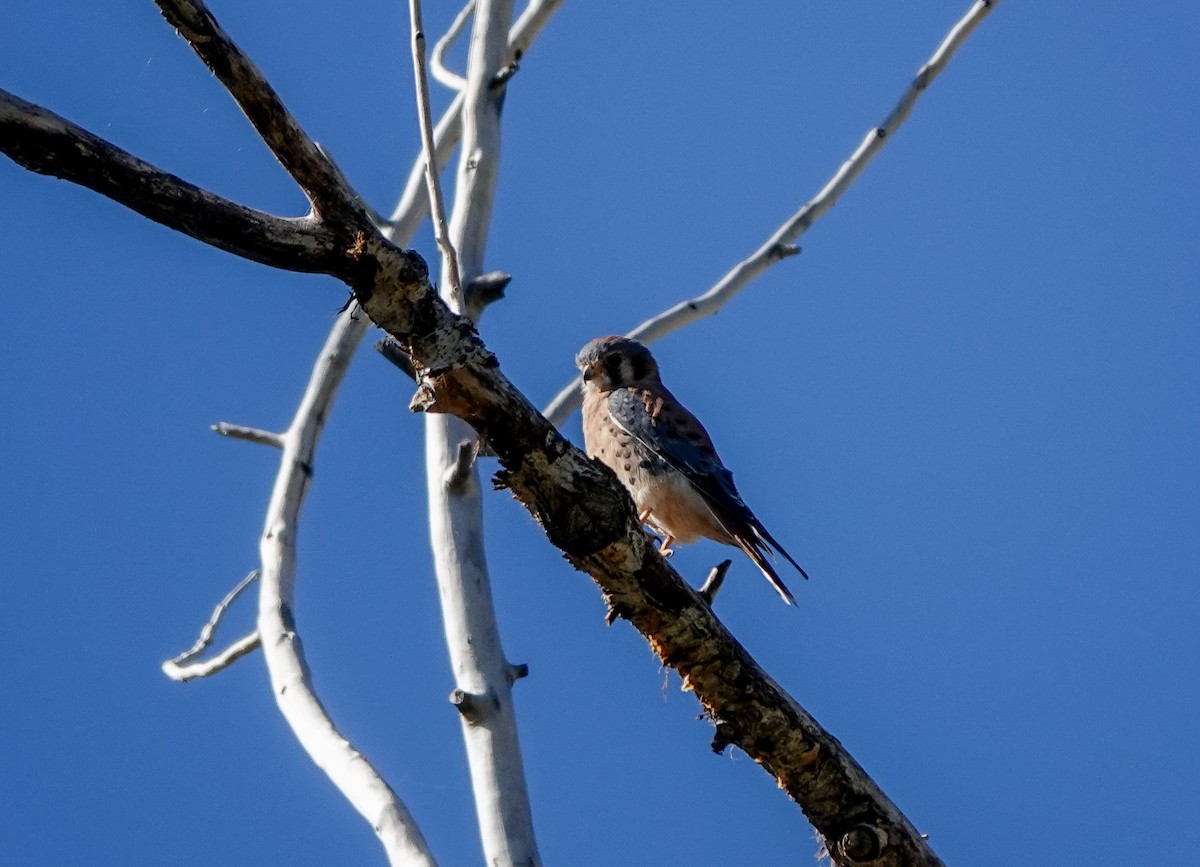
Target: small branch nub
458 475
722 737
484 290
249 434
862 844
391 349
473 706
783 251
708 590
505 74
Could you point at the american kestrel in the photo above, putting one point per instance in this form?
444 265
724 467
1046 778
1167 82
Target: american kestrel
664 456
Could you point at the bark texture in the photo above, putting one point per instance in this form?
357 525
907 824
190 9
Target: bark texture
579 503
586 513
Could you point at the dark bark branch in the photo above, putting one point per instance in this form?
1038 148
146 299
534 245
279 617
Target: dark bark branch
586 513
581 506
48 144
298 153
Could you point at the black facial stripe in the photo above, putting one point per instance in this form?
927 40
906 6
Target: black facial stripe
612 368
641 367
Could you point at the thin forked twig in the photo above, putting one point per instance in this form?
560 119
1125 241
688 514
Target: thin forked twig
183 673
437 59
182 667
410 210
437 208
779 245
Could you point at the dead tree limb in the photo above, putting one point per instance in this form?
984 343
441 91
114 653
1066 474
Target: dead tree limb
781 243
579 504
483 686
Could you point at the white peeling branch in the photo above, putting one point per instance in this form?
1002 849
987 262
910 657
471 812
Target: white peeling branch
780 244
396 828
291 681
479 155
413 205
483 676
453 281
249 434
183 667
183 672
437 60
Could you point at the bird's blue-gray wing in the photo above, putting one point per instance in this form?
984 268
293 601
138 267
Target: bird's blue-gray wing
667 429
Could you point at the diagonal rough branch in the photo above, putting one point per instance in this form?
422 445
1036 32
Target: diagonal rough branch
264 109
586 513
779 246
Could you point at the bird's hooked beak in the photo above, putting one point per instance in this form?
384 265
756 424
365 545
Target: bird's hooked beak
589 372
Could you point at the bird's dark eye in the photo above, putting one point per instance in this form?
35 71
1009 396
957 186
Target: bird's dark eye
612 368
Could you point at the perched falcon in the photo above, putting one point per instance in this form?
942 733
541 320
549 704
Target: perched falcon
664 456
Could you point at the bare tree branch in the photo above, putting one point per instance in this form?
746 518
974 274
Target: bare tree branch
479 157
482 673
483 290
182 668
296 152
585 512
448 131
454 290
43 142
437 60
389 347
249 434
712 584
290 678
182 673
779 245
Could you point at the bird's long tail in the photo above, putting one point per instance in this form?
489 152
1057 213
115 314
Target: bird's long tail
767 539
753 549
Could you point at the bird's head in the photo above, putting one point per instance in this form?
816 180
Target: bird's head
612 362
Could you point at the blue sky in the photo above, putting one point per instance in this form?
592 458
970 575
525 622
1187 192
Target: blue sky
969 409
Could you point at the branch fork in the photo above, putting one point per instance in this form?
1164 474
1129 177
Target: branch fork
583 512
185 666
